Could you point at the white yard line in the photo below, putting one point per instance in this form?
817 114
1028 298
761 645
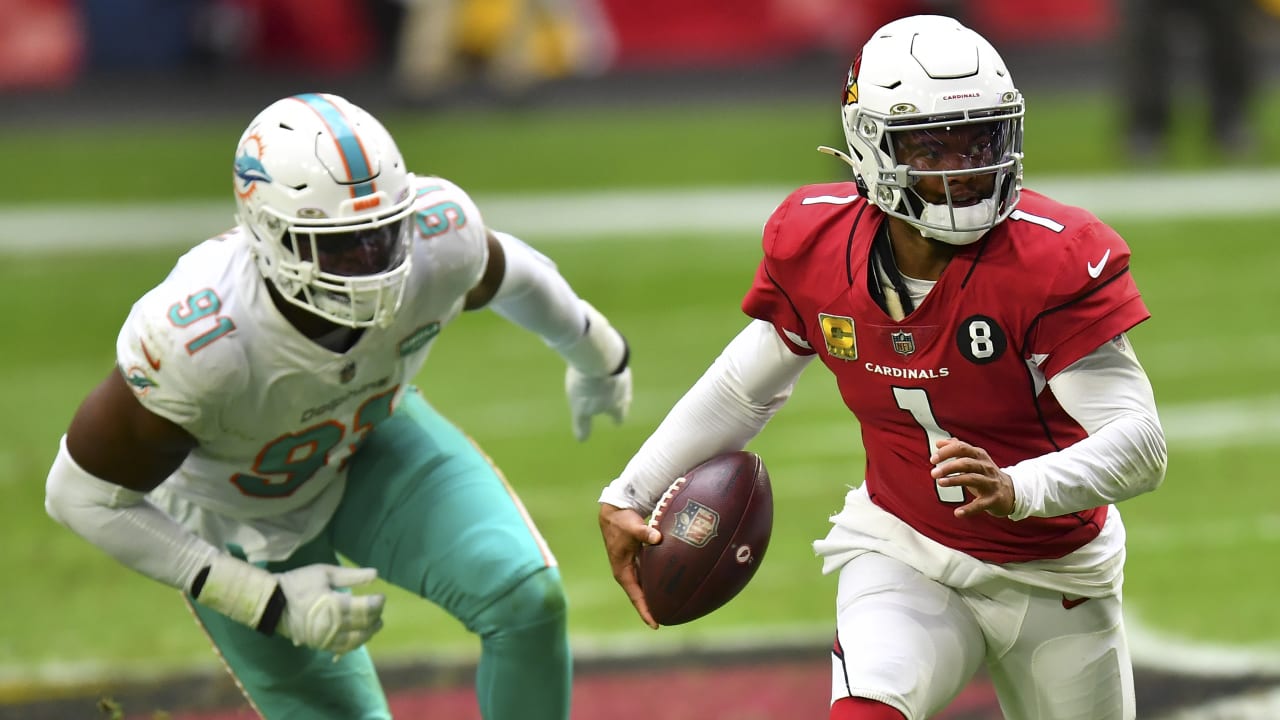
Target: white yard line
598 214
1160 650
1222 423
1255 705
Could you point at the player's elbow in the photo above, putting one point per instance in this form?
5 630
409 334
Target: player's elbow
1152 456
77 499
51 506
1161 462
57 494
61 501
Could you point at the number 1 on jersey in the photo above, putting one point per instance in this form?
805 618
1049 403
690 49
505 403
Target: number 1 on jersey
916 402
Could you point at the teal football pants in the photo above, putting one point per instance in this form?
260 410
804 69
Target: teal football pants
426 508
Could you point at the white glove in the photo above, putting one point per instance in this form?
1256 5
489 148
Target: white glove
599 379
318 615
589 396
305 605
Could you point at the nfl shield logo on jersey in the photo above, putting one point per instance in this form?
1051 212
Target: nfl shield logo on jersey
903 343
696 524
347 373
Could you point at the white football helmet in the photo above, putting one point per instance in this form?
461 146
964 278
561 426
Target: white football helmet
323 194
917 81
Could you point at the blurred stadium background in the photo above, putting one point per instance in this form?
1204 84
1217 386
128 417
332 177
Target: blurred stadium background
641 145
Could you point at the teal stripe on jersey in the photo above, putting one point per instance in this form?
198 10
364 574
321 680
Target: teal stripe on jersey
348 143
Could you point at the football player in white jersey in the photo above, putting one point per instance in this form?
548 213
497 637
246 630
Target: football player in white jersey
260 422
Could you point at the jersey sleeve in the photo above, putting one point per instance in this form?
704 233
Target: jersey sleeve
1093 298
177 357
450 234
767 299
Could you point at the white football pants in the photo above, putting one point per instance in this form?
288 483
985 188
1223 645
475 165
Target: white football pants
913 643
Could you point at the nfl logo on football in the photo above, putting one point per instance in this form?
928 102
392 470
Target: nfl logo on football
696 524
903 343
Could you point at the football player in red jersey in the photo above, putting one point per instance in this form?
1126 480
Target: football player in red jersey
977 332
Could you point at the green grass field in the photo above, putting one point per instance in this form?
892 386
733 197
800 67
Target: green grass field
1200 547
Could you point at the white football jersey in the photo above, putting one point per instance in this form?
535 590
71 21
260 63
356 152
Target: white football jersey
277 415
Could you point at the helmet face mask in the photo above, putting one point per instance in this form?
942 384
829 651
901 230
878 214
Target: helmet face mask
349 276
934 128
323 194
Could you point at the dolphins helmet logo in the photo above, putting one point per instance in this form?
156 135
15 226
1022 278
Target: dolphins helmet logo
249 168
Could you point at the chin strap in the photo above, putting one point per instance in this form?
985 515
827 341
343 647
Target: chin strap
887 279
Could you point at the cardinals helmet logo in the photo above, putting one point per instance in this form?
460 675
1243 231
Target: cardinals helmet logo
851 86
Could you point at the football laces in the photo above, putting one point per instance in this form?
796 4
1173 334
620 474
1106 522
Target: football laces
665 500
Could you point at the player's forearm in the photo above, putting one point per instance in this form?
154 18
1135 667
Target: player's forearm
535 296
123 524
727 407
1124 459
1124 455
137 534
710 419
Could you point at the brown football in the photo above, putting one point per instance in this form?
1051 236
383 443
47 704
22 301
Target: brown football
715 522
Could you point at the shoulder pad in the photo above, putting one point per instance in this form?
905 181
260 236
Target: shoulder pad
180 355
799 220
442 206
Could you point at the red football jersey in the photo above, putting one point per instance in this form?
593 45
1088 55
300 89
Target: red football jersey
1046 286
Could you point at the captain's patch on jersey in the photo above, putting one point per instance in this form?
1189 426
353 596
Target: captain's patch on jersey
837 330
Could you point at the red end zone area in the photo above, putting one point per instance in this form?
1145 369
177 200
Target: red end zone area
726 683
740 683
727 689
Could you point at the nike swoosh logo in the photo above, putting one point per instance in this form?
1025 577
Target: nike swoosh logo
154 363
1096 270
1068 603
